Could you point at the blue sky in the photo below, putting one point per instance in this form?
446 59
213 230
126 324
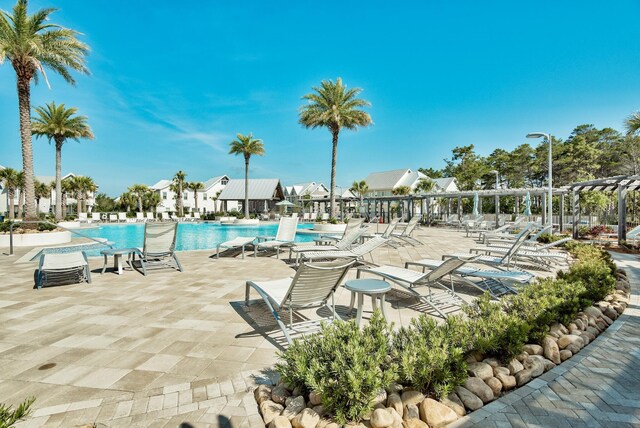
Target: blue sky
173 82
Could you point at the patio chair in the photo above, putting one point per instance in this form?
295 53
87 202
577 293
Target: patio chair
540 256
507 260
325 216
95 218
306 217
149 216
122 217
159 250
196 216
63 268
353 224
165 217
405 235
140 217
312 286
343 244
113 218
439 297
284 236
239 242
356 253
82 218
187 217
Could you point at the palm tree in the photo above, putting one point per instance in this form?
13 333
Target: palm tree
58 123
401 190
334 107
128 200
68 188
425 185
178 188
42 190
86 185
9 178
632 123
152 200
31 43
360 188
247 146
139 190
195 186
21 194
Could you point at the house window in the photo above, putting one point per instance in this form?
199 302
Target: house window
164 196
184 196
204 196
224 181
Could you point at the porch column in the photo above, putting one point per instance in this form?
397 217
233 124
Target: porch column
459 208
622 213
517 198
561 214
544 210
428 211
497 202
576 214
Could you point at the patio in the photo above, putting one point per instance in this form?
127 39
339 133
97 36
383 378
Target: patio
163 349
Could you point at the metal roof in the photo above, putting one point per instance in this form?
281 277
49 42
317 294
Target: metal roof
259 189
213 181
385 179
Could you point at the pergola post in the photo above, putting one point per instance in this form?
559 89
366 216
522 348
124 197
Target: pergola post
428 211
561 214
576 214
544 210
622 213
517 199
459 208
497 202
388 211
448 208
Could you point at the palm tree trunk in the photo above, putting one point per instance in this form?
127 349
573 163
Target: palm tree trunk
332 191
24 102
64 205
20 202
246 187
139 203
195 199
38 206
180 209
12 213
59 142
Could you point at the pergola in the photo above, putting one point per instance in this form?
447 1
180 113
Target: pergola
621 183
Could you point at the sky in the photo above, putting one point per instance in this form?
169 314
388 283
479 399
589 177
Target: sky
172 82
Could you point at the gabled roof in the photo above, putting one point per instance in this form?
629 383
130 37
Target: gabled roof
259 189
445 182
162 184
213 181
385 179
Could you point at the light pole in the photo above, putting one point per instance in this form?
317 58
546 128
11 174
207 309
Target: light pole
550 179
497 197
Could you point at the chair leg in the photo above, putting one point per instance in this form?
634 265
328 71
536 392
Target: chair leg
177 262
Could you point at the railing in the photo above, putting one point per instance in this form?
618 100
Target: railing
52 224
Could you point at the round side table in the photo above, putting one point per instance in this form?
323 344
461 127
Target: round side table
375 288
117 254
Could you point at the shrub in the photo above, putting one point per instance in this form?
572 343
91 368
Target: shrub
547 238
430 357
9 416
594 268
46 226
333 220
346 365
493 331
5 225
599 230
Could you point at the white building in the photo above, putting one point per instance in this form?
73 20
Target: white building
383 183
207 198
263 195
299 193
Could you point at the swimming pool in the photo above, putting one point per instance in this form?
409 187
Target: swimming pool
191 236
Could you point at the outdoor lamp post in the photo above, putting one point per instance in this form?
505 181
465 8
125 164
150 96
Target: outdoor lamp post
550 203
497 197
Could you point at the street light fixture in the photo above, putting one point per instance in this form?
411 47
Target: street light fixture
550 180
497 197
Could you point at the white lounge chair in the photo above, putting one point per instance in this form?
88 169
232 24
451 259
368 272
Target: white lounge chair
539 255
356 253
507 261
113 218
64 268
405 234
343 244
284 237
122 217
149 216
159 248
325 216
311 287
140 217
95 218
239 242
351 225
196 216
306 217
165 217
82 218
187 217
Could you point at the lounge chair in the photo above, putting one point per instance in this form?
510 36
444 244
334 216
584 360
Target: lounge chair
82 218
159 247
64 268
306 217
506 261
174 217
325 217
149 216
165 217
353 224
356 253
405 235
284 237
439 297
187 217
312 286
95 218
140 217
235 243
196 216
122 217
343 244
113 218
539 255
501 231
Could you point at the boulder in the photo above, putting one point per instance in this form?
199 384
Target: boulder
535 364
551 350
602 326
573 348
411 412
493 362
522 356
436 414
532 349
453 402
619 308
578 322
394 387
279 394
397 419
262 393
395 402
480 370
295 405
573 327
503 370
412 397
327 423
593 311
588 337
570 339
593 331
308 419
508 381
515 366
381 418
319 409
607 319
270 410
280 422
479 389
523 376
315 398
414 423
381 397
548 364
495 385
565 354
468 398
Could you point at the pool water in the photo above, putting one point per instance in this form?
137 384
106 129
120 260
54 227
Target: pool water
191 236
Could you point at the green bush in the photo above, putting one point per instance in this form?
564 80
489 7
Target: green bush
5 225
346 365
493 331
547 238
46 226
9 416
431 357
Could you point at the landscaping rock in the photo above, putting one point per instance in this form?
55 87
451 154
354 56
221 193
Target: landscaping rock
593 311
381 418
608 320
436 414
381 397
522 356
495 385
573 327
602 326
503 370
327 423
453 402
570 339
565 354
551 350
414 423
320 410
397 419
262 393
573 348
295 406
315 398
619 308
590 337
548 364
411 412
412 397
308 419
532 349
515 366
395 387
578 322
480 370
523 376
479 389
508 381
535 364
270 410
593 331
468 398
279 394
493 362
394 401
280 422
